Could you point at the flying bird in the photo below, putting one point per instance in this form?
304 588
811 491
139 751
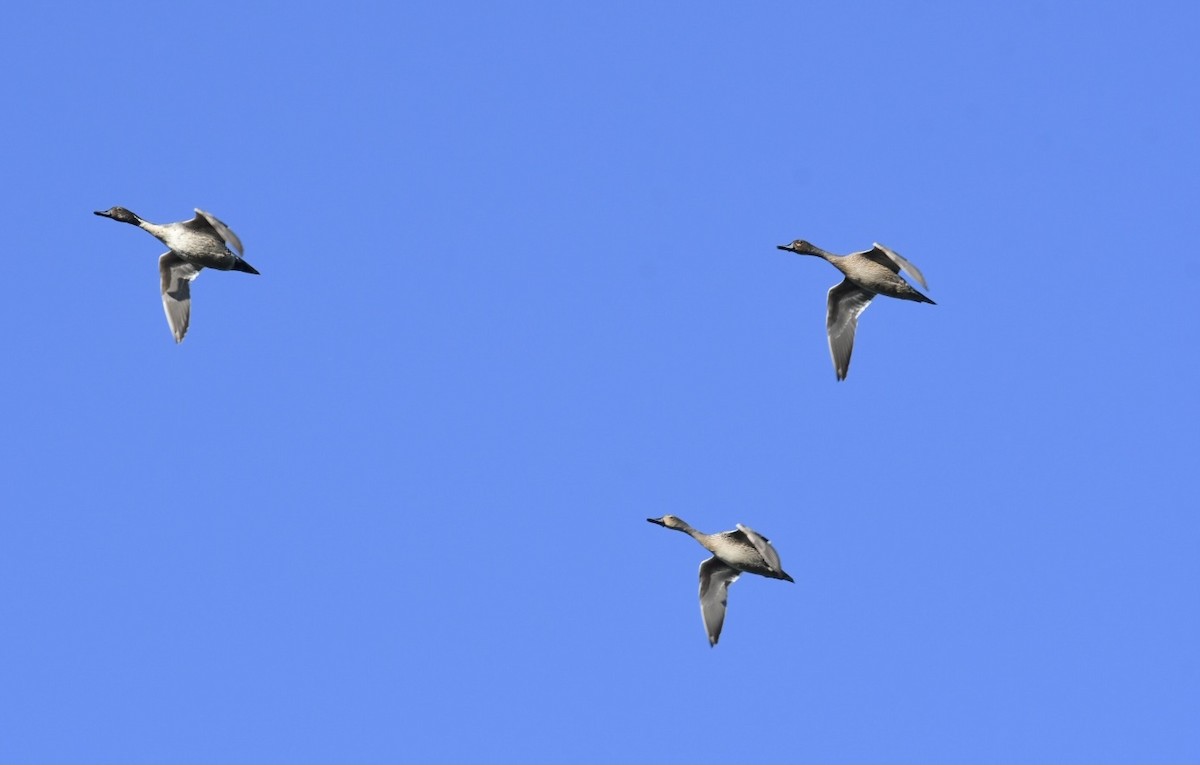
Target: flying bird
733 553
202 242
869 273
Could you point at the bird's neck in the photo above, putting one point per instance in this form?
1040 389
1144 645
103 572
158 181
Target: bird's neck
699 536
817 252
152 228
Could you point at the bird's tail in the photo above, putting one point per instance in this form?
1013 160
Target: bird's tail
915 296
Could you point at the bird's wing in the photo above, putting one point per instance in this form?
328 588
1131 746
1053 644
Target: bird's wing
763 545
177 274
846 302
207 222
893 260
715 578
741 534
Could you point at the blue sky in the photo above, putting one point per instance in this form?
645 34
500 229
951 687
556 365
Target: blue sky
520 292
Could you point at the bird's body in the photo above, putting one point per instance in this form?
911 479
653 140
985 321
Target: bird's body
202 242
868 273
742 550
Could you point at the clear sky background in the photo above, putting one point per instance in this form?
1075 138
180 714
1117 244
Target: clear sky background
520 292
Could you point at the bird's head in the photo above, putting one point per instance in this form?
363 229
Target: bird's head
121 214
800 247
668 521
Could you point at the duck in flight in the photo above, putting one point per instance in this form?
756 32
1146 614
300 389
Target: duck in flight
869 273
737 552
202 242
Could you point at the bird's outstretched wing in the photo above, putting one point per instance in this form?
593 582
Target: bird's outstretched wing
846 302
204 221
176 275
891 259
715 578
763 545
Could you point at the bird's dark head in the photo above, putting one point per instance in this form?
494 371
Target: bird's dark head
800 247
121 214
